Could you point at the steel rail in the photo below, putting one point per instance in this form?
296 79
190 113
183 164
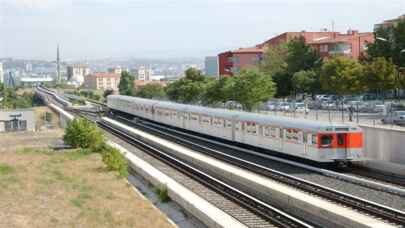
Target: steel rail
257 206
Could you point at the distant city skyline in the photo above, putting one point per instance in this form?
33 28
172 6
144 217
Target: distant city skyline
99 29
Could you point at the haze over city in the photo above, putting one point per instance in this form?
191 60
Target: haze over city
91 29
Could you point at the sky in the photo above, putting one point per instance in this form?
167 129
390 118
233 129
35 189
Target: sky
98 29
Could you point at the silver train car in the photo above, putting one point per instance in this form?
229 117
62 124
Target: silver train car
55 96
317 141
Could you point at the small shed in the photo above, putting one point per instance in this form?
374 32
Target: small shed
17 120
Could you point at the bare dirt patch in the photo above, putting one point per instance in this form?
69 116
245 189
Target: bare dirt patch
42 188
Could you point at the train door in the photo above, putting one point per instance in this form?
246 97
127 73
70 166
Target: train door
341 152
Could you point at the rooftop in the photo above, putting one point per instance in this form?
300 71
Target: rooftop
248 50
104 75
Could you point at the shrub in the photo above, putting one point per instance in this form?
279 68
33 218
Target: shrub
163 194
84 134
115 161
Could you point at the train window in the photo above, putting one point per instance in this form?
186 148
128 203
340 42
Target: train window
273 132
314 139
326 140
238 126
341 139
206 120
292 134
266 131
194 117
228 124
251 128
218 122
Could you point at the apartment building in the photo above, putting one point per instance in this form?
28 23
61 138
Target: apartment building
102 81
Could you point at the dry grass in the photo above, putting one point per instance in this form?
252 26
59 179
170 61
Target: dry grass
19 140
42 188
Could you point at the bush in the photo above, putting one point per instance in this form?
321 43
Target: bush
163 194
115 161
84 134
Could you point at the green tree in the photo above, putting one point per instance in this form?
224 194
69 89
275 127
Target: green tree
300 56
274 64
341 75
253 87
82 133
152 90
304 81
126 85
221 90
190 89
108 92
389 43
379 75
274 60
283 61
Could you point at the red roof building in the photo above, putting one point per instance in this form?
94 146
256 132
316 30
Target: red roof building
351 44
233 62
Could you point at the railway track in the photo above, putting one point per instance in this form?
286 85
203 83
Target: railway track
273 216
377 210
390 215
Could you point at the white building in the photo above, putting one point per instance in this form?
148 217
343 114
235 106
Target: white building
1 73
28 67
115 70
145 74
76 74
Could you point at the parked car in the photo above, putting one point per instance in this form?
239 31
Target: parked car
396 117
283 106
271 105
300 107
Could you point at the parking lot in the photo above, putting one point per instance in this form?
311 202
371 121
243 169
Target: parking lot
356 111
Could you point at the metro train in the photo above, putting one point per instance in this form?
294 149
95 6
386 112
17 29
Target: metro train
55 96
321 142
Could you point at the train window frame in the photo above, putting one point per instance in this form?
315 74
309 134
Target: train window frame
314 139
249 125
218 122
194 117
326 145
293 135
206 121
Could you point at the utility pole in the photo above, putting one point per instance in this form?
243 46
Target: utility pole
58 77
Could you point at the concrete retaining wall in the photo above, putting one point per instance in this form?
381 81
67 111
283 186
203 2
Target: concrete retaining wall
385 149
384 144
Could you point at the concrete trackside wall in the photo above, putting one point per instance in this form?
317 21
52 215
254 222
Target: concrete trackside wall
384 144
385 148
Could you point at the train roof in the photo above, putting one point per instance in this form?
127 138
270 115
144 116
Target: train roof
133 99
245 116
